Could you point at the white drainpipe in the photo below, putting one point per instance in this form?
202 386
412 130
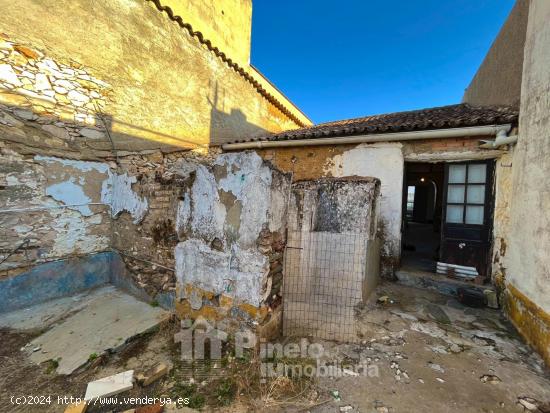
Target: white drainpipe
502 138
490 130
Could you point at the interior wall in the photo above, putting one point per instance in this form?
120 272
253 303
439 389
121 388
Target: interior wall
430 172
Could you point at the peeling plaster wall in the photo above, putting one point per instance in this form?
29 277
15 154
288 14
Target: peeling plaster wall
95 126
221 219
48 203
117 192
54 207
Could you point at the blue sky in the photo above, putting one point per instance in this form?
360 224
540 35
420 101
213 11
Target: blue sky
350 58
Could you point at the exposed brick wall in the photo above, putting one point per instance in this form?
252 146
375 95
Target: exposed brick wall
148 246
442 145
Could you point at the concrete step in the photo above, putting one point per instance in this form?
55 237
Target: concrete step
436 282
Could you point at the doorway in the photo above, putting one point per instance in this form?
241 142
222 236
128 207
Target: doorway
447 218
423 197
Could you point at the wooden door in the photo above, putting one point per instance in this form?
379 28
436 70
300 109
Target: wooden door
467 215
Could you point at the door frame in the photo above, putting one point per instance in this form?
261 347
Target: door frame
439 189
489 205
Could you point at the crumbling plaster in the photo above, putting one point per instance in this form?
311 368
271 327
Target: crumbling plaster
117 192
53 205
95 135
60 207
501 215
218 251
385 162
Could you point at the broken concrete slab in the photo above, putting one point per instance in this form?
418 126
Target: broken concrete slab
48 313
109 386
106 322
402 340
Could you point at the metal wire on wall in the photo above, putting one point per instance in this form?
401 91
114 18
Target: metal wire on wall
324 275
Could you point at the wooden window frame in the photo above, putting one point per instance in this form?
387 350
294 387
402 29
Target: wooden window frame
486 197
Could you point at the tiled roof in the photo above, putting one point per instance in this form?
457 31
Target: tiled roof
443 117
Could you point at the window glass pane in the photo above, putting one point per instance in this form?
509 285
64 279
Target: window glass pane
474 215
477 173
454 214
410 193
455 194
457 174
476 194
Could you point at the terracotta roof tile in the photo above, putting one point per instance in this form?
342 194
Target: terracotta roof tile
443 117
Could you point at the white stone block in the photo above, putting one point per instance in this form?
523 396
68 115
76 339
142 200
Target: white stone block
109 386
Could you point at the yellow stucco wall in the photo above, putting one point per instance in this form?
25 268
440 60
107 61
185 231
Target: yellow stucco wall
166 88
226 23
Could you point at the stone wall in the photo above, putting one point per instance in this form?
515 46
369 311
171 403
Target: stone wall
50 105
167 89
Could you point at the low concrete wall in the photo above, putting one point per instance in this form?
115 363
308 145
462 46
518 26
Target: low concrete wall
55 279
68 277
332 257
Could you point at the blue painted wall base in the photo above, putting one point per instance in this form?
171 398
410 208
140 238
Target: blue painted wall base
68 277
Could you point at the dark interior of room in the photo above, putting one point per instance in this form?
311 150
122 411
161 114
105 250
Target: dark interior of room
422 199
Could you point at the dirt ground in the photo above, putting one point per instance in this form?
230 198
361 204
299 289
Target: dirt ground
420 351
435 355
